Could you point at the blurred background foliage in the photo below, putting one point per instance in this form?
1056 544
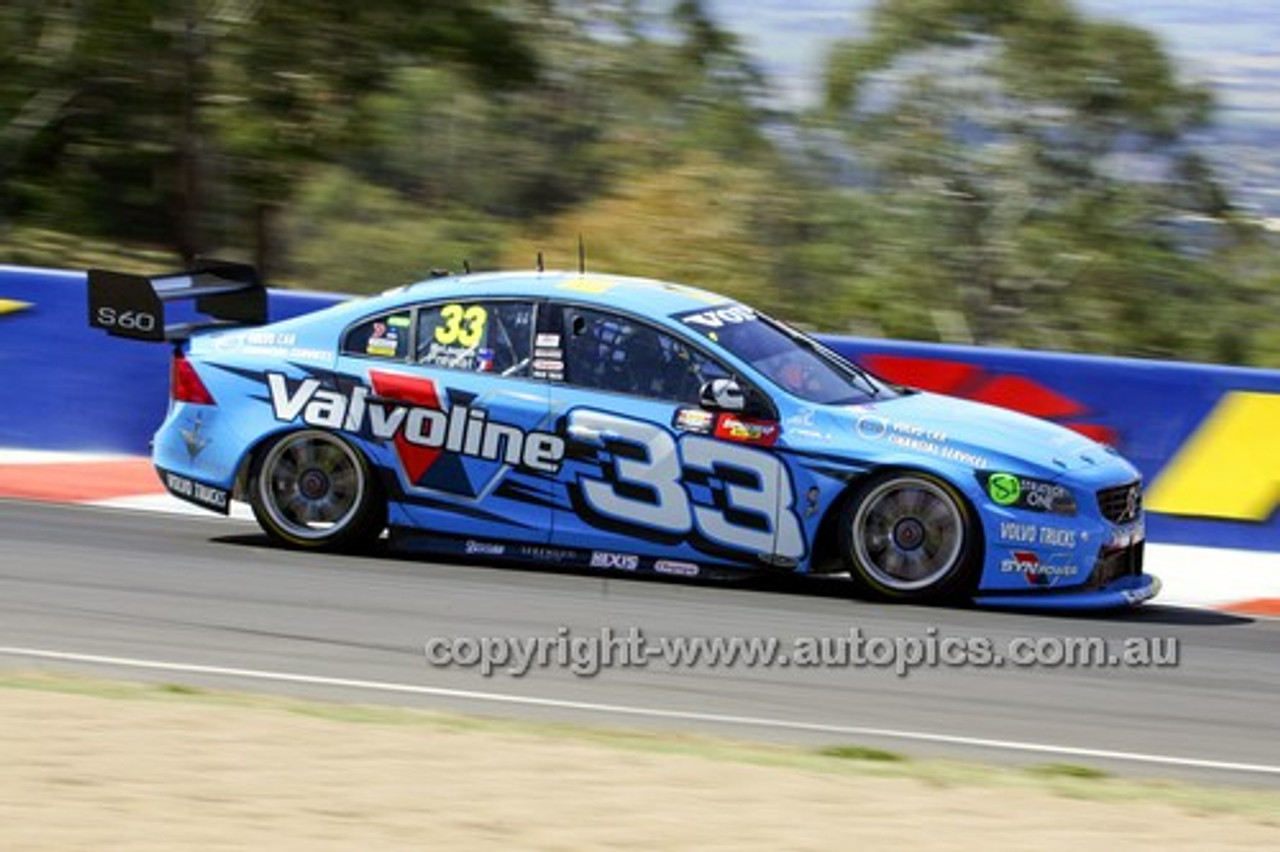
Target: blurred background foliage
1000 172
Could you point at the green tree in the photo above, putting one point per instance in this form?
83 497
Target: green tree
98 124
173 121
297 78
1030 161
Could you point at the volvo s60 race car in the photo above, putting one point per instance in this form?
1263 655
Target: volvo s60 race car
618 424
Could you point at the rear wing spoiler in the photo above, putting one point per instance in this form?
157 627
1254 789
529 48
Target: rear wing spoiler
127 305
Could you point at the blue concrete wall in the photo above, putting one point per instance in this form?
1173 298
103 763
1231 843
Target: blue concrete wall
65 386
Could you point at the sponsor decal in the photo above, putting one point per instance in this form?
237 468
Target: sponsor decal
1037 573
1137 596
1057 537
1043 496
746 430
450 357
551 341
270 338
676 569
1020 533
398 321
588 285
299 353
802 424
803 417
192 438
912 437
615 561
873 428
383 347
1005 489
397 414
484 548
694 420
279 344
1025 492
384 342
209 496
720 317
1128 536
546 554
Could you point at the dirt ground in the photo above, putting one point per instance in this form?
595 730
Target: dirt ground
149 768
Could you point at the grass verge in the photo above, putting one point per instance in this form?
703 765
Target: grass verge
1061 779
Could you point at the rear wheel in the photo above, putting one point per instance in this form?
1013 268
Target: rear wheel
910 536
313 490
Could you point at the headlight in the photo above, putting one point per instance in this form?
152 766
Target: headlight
1026 492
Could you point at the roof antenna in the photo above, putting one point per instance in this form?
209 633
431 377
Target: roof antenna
582 256
541 268
466 266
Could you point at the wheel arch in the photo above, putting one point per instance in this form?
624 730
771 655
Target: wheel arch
240 489
827 556
376 511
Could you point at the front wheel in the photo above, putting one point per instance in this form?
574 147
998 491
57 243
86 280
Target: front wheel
313 490
909 536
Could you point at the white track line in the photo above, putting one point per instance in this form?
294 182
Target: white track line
9 455
648 712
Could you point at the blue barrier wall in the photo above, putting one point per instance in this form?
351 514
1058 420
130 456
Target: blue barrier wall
1207 439
69 387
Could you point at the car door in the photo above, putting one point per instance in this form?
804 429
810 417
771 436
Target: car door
649 472
467 423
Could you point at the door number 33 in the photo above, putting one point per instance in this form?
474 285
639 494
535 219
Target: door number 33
757 486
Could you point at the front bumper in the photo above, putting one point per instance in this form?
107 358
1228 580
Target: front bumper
1126 591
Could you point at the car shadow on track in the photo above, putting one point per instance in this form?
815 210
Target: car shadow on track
764 582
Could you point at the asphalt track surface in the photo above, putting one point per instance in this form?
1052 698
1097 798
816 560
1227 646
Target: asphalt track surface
208 602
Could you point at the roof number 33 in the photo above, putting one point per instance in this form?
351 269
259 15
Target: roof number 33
756 485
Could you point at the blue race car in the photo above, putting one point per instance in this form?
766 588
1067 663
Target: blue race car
619 424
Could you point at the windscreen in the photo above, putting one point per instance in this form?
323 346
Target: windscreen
787 358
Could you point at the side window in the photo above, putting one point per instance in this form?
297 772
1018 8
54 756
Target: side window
485 337
385 336
615 353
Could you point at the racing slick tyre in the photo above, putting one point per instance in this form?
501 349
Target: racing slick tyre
909 536
312 490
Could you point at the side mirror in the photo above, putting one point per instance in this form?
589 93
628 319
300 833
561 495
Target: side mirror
722 395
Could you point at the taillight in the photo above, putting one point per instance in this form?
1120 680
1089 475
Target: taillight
185 384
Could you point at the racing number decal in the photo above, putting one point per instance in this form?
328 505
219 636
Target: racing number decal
655 473
759 513
766 494
463 326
